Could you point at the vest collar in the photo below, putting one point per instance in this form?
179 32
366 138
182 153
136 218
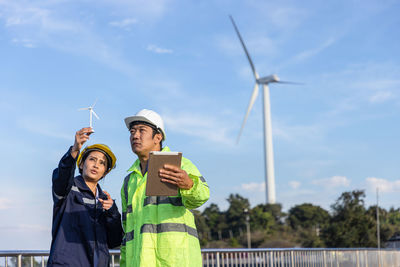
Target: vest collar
136 165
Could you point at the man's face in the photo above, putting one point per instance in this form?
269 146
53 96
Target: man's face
94 167
142 140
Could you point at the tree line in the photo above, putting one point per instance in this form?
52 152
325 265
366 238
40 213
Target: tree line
348 224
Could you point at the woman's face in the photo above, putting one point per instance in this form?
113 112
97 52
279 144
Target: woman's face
94 167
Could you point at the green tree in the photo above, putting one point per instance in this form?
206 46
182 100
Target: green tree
350 225
235 216
260 219
389 222
307 220
202 226
276 211
393 216
307 216
215 220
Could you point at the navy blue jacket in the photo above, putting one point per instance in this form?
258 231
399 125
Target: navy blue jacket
81 229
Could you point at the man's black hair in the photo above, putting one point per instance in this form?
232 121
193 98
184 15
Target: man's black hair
152 126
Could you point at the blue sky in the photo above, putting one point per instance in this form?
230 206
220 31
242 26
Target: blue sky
337 132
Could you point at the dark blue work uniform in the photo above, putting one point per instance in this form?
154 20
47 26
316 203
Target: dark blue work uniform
82 232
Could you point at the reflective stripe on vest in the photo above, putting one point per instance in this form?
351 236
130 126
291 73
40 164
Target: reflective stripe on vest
128 237
203 180
128 210
168 227
74 188
89 201
153 200
126 181
57 196
128 207
85 200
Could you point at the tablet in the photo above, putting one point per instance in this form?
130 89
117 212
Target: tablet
154 185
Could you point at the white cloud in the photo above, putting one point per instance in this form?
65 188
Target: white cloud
381 97
202 126
158 50
125 23
296 133
145 10
310 167
309 53
344 105
17 14
377 77
42 127
167 88
253 187
24 42
257 46
384 185
261 46
35 24
20 16
291 198
334 181
361 83
286 17
5 203
294 184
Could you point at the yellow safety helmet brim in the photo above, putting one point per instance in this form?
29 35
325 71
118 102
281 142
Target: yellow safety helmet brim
102 148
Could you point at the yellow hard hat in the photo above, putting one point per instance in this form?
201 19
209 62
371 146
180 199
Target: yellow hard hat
111 159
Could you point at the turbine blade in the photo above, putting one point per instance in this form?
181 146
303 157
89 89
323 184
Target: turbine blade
94 113
251 103
95 102
83 108
295 83
245 49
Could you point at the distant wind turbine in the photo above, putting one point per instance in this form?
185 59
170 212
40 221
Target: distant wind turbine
268 149
91 111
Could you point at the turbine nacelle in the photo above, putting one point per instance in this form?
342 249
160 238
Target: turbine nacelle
91 112
268 79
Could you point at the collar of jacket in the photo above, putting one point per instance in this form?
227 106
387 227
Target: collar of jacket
136 165
81 184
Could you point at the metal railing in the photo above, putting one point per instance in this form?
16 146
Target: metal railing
294 257
262 257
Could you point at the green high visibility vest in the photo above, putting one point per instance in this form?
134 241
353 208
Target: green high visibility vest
160 231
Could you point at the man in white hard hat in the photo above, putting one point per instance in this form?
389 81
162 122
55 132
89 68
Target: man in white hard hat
159 231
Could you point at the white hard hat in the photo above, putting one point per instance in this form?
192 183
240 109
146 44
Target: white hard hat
148 116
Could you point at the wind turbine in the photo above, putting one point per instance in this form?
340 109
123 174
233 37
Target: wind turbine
91 111
268 149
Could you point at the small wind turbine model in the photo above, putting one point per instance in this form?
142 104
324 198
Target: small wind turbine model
268 150
91 111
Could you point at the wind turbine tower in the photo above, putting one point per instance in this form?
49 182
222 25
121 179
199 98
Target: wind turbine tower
268 149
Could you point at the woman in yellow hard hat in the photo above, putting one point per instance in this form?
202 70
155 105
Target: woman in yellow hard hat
86 221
